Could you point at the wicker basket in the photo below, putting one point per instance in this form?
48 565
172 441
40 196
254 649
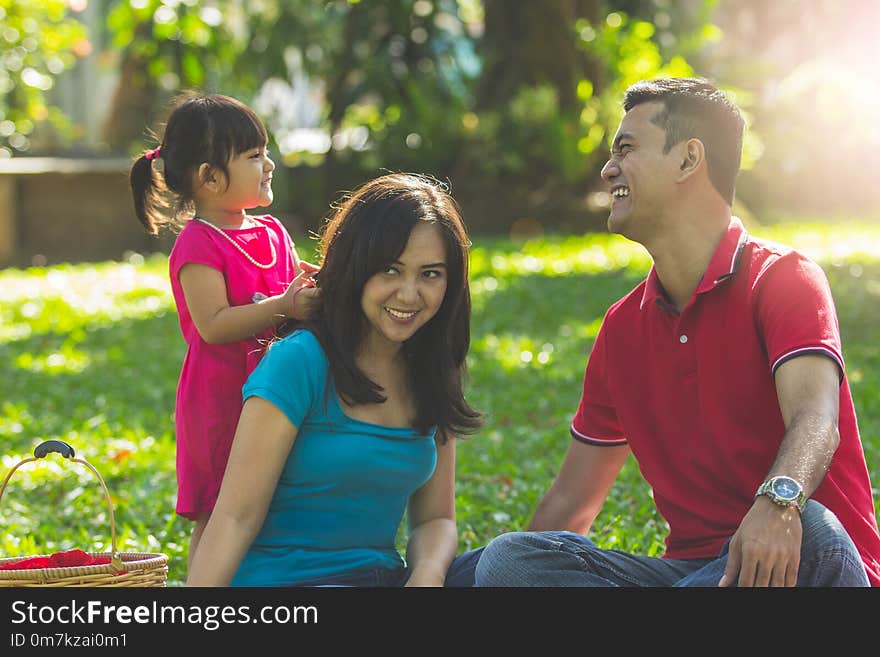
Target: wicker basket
126 569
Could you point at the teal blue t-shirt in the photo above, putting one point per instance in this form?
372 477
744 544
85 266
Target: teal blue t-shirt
344 488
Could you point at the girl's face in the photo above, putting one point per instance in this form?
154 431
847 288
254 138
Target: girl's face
397 302
250 181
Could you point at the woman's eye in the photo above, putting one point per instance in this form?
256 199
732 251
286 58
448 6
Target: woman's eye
391 270
432 273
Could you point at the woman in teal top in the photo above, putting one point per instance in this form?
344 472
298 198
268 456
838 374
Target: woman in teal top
351 419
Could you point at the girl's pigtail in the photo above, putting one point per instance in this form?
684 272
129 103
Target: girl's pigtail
147 191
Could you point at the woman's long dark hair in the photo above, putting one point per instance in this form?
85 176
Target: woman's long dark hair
363 236
202 128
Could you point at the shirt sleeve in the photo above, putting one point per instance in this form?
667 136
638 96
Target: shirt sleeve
292 376
196 246
796 313
595 421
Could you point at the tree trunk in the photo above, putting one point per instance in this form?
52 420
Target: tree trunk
530 43
131 110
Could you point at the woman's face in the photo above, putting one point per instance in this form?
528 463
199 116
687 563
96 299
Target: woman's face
397 302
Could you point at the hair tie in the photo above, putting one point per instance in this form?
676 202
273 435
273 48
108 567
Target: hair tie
154 154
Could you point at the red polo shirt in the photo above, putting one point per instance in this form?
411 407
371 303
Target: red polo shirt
694 397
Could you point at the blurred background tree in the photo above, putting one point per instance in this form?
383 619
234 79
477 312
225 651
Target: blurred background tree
513 102
39 39
548 101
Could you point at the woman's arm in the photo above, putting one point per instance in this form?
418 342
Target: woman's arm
433 537
204 289
259 450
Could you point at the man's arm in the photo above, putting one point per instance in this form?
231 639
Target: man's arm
580 488
808 388
765 550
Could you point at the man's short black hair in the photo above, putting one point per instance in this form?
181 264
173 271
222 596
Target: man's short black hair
695 108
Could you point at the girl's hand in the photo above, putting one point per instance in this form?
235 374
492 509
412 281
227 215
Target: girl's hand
308 267
301 293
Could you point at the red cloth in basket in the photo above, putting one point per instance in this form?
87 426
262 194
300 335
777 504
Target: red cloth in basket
57 560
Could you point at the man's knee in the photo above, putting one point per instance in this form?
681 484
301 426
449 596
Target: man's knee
505 558
828 555
822 531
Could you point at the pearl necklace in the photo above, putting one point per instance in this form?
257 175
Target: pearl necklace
238 246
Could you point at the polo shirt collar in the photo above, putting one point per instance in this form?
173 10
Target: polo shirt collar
722 266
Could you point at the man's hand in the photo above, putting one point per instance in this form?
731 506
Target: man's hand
766 549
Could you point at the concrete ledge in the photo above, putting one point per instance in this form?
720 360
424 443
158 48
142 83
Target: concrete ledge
32 165
55 209
8 233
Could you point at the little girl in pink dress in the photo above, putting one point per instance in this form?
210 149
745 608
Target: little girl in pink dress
234 277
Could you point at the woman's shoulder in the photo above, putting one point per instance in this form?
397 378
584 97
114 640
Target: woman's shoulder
301 336
292 374
303 345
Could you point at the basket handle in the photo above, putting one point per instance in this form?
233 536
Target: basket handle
59 446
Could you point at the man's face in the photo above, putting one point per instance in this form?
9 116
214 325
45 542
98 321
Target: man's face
640 175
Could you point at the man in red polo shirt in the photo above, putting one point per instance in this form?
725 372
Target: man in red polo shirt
721 373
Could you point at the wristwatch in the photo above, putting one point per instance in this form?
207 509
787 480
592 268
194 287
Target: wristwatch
783 491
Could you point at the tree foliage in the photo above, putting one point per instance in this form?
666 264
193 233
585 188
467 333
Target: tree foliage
38 41
512 102
549 101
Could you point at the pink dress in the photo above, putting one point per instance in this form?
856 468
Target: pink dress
209 389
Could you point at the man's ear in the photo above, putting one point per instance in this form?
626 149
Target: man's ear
693 156
207 176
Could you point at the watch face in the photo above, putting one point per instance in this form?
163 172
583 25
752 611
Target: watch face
786 488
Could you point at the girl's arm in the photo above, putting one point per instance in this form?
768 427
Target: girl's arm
433 537
217 322
259 451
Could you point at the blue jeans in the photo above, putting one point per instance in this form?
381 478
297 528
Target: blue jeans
828 558
460 574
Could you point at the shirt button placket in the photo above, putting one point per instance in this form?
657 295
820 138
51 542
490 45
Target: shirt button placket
687 354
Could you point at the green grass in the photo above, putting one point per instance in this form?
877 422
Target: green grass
90 354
